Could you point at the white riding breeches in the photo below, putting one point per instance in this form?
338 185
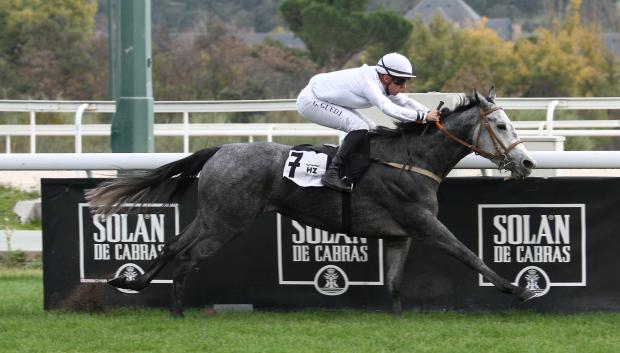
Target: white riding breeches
331 115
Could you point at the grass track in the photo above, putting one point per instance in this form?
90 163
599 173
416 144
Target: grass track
25 327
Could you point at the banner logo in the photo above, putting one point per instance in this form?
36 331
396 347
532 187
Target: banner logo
331 280
331 262
539 245
534 279
130 272
124 243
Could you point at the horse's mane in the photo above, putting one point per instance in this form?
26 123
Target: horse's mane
409 126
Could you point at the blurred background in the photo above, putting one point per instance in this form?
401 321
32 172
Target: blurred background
249 49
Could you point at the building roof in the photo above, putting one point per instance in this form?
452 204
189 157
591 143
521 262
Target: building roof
501 25
454 10
458 12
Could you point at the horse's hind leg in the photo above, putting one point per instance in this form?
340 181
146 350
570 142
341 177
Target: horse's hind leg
213 236
181 268
171 248
396 255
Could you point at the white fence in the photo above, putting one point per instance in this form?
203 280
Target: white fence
116 161
548 127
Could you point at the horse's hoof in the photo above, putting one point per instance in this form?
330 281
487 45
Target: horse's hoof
117 282
527 295
397 311
177 314
122 283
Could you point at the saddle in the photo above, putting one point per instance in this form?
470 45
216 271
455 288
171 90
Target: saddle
355 165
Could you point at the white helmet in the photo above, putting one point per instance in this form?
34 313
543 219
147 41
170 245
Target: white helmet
395 64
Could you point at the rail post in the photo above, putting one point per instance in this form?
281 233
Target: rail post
550 110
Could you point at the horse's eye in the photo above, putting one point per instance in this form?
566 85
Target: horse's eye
501 127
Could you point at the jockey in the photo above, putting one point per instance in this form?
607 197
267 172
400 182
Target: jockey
331 99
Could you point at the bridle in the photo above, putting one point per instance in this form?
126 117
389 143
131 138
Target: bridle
501 151
500 155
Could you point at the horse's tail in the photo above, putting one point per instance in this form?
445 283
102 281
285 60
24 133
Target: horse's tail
172 178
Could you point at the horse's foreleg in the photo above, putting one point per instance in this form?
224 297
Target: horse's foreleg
437 234
171 248
396 255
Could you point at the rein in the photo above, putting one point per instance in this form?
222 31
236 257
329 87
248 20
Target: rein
501 151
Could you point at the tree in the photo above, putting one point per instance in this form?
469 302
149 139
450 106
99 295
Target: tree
431 50
214 64
334 31
182 15
49 50
447 59
482 58
568 60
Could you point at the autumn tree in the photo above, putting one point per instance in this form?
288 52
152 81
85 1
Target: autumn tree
448 59
334 31
568 60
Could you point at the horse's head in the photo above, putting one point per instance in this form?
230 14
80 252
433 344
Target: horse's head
497 138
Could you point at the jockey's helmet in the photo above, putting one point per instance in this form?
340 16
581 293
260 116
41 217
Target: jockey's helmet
395 64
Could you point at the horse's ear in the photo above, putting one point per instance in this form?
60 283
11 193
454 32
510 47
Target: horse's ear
491 95
480 100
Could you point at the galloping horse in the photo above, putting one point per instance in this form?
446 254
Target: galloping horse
395 200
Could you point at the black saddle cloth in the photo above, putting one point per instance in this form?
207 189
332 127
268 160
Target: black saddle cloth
355 165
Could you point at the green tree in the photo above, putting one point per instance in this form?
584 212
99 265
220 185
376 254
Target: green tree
482 59
49 50
431 50
447 59
334 31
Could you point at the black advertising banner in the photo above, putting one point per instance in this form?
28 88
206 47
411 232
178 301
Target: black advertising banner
530 237
555 236
126 241
331 262
82 249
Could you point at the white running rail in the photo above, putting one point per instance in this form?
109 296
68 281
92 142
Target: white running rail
117 161
549 127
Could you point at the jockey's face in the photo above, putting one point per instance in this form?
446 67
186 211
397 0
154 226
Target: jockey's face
394 85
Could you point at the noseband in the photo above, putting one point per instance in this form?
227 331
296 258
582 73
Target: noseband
501 151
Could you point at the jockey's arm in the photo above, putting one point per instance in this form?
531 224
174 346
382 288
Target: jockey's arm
404 101
392 109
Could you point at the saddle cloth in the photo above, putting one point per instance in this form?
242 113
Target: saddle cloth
306 164
305 167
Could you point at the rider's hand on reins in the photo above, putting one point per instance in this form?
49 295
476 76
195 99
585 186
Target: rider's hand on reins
438 112
432 116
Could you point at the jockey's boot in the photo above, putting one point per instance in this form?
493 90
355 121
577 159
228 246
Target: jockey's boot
332 178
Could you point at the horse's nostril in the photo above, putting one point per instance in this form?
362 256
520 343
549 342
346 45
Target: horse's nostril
529 164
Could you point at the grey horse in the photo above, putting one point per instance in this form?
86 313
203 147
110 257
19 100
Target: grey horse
396 199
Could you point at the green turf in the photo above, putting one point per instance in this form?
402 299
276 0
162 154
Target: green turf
25 327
